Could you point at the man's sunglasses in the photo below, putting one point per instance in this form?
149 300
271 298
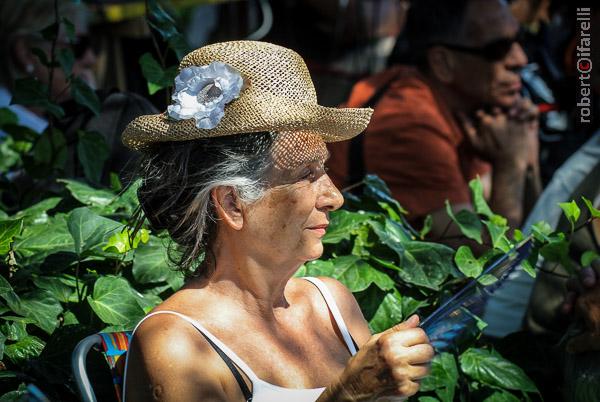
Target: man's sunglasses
493 51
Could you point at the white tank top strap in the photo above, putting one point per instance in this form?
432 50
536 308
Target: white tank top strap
335 311
231 354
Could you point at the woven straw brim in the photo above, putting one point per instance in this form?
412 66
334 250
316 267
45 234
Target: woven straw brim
271 114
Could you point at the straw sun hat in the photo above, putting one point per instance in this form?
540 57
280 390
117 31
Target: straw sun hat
243 87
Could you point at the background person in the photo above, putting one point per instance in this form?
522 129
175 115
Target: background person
454 114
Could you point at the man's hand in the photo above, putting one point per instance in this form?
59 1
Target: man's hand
583 301
505 137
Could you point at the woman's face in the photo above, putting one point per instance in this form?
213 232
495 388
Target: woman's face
292 217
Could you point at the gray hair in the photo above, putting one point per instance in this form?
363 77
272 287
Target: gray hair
177 181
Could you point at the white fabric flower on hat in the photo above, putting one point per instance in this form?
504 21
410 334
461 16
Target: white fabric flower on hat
201 93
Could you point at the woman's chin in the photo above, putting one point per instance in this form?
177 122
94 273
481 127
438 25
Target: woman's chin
315 252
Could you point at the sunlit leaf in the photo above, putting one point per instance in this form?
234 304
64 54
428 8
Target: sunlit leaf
8 230
36 242
467 263
88 195
341 225
90 230
151 263
593 211
468 222
479 203
114 302
23 350
443 377
589 256
490 368
388 314
571 211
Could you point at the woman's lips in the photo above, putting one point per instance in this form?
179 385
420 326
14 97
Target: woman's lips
320 229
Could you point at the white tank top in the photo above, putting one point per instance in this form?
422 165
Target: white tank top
263 391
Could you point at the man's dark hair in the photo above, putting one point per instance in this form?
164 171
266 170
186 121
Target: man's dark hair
428 22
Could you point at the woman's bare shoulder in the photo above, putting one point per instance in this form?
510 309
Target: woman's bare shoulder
163 359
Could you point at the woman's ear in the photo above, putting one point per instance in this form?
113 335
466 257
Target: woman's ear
228 206
441 64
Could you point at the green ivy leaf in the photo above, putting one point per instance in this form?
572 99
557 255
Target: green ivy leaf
9 295
161 21
17 395
121 242
8 230
443 377
151 263
527 267
25 349
432 261
36 242
66 59
468 222
56 286
157 77
88 195
14 329
51 149
43 308
92 152
341 225
84 95
467 263
595 213
114 302
426 227
388 314
502 396
31 92
557 250
497 234
518 236
352 271
36 214
541 231
90 230
7 117
479 203
571 211
492 369
588 257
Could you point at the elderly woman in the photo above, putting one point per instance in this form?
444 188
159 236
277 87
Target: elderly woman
235 171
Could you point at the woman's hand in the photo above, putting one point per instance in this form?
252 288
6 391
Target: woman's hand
390 364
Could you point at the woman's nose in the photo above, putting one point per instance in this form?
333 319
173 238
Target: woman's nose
329 197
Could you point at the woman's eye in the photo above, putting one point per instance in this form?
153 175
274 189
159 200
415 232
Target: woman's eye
307 174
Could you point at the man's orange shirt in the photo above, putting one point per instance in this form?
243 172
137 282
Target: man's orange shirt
413 143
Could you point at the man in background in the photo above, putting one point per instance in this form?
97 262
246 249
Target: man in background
453 113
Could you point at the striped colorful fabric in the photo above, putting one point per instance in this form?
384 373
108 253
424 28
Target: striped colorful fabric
114 347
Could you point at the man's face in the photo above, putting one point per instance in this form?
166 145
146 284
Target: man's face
481 81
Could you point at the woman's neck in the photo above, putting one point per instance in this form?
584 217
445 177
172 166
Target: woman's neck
259 286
